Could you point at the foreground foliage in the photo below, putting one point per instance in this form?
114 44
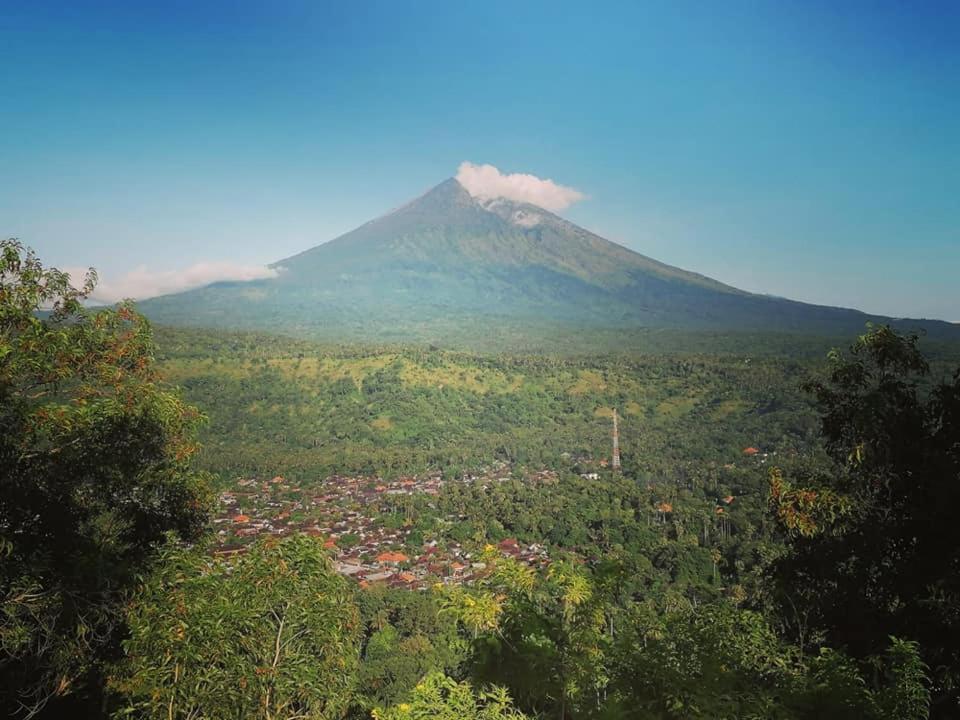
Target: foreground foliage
441 698
565 646
872 545
405 638
93 473
273 636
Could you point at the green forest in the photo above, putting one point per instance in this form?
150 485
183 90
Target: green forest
276 406
779 542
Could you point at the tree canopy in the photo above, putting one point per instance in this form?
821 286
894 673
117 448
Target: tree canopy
93 473
273 636
873 550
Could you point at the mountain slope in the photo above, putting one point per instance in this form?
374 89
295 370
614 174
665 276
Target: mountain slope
447 261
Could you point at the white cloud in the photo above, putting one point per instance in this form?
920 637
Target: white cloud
141 283
486 182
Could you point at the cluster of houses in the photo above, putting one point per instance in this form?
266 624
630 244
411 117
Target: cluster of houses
448 563
363 523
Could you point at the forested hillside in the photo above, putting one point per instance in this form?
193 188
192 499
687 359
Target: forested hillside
286 407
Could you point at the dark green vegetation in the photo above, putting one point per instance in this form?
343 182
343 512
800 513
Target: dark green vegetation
873 550
447 268
701 582
93 473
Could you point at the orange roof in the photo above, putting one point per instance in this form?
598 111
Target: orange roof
241 518
407 577
665 507
278 479
331 543
719 511
395 557
750 451
729 499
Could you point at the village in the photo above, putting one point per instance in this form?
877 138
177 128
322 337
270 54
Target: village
364 523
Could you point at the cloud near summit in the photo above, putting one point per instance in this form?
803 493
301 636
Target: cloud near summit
487 182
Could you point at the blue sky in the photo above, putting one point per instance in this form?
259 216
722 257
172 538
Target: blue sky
803 149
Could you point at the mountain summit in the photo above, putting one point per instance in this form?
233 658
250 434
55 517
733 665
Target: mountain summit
450 260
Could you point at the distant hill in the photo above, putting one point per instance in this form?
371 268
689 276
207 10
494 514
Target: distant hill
448 265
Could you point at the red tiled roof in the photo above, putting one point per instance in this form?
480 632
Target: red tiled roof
396 557
241 518
750 451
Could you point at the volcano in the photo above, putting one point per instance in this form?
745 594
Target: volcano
448 261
